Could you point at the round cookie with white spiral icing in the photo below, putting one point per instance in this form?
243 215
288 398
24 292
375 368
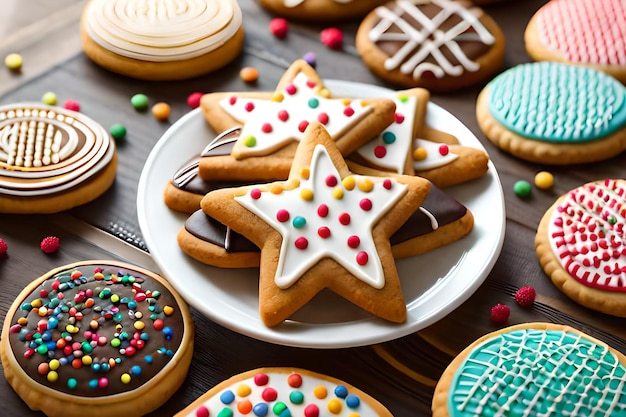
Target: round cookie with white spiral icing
533 369
584 32
284 392
162 40
581 244
441 45
97 338
52 159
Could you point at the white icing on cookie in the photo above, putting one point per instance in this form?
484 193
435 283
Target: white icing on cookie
271 124
437 155
162 30
428 41
326 216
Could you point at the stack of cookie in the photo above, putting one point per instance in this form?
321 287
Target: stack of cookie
321 192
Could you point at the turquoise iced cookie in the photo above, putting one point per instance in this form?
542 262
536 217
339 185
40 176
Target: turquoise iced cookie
542 371
557 103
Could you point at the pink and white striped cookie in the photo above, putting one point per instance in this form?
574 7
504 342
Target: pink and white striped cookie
581 245
591 33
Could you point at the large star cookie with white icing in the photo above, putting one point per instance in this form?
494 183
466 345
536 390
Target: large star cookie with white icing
323 228
272 124
581 245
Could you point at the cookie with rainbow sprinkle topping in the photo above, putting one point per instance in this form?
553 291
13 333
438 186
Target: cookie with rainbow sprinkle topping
272 124
324 227
97 338
284 392
533 369
581 245
554 113
583 32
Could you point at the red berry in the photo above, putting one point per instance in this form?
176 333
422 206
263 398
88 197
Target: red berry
3 247
279 27
50 244
500 314
525 296
332 38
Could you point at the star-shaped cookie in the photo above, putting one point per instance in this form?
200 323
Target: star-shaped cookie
409 146
323 227
272 124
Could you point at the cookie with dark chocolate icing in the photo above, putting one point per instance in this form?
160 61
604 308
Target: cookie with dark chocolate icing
97 338
441 45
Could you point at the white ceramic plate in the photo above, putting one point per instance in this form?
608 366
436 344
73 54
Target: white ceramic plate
434 284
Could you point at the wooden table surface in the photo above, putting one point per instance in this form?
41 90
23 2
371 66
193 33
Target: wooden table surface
400 373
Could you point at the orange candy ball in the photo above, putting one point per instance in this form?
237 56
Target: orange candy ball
161 111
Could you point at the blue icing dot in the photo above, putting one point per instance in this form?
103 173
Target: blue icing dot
313 103
298 222
148 359
135 370
341 391
389 137
296 397
531 371
260 409
558 103
352 401
93 383
227 397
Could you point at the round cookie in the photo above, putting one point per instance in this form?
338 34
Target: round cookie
162 40
553 113
52 159
533 369
581 245
320 10
97 338
284 392
583 32
441 45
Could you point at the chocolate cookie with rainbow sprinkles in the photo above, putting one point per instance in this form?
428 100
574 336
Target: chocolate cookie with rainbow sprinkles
323 227
272 124
581 245
533 369
97 338
553 113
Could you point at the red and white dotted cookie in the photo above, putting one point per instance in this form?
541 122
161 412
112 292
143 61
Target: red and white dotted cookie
581 245
583 32
284 391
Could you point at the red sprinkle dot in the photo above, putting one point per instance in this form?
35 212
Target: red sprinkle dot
291 89
323 118
387 184
444 149
72 105
269 394
322 210
323 232
255 193
249 106
202 411
344 219
232 100
193 99
3 247
362 258
311 410
348 111
282 215
103 382
266 128
399 118
303 125
332 38
301 243
294 380
331 181
365 204
380 151
354 241
261 379
283 115
279 27
311 84
158 324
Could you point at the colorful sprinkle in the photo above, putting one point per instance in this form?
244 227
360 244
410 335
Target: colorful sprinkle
139 101
49 98
544 180
161 111
13 62
72 105
118 131
310 58
522 189
332 38
249 74
193 99
279 27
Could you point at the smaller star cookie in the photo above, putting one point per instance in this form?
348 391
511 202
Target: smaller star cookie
323 227
272 124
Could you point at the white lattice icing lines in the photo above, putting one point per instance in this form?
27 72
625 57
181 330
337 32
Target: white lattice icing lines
272 124
323 228
437 44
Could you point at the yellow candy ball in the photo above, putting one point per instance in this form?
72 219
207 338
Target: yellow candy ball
544 180
13 62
